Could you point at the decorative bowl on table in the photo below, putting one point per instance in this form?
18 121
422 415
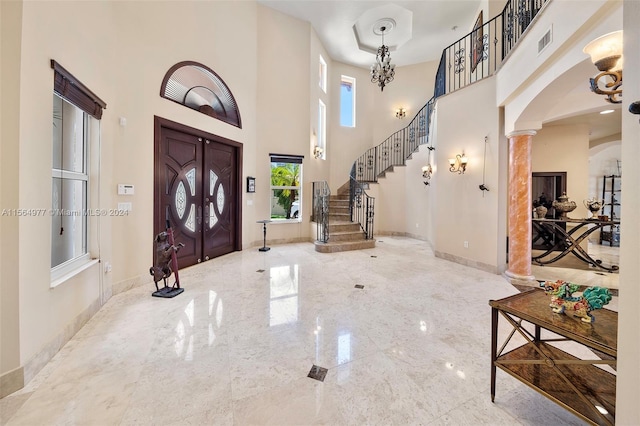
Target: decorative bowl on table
564 206
593 206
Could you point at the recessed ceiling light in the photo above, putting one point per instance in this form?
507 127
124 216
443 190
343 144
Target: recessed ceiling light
607 111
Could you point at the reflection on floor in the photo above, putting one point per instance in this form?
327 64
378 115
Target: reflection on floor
411 347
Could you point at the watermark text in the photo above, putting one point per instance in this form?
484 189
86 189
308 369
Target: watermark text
63 212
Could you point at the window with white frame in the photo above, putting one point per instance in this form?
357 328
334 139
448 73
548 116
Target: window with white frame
286 194
321 147
76 115
70 180
347 101
322 75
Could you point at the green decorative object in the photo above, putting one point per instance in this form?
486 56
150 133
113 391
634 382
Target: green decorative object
563 301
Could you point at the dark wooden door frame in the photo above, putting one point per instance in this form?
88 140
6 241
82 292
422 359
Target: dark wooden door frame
560 186
158 124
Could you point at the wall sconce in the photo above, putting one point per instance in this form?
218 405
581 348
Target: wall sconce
317 152
400 113
606 55
458 164
427 171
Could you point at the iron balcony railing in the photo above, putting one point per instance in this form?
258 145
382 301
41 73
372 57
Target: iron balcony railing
321 194
478 54
516 17
470 59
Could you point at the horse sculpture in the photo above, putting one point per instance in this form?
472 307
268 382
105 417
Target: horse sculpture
563 301
161 269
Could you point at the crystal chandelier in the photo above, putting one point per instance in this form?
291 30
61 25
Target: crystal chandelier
383 70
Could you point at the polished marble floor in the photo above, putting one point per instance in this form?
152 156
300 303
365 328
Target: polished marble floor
412 346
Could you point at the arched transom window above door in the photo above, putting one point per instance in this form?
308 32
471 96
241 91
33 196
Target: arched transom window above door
198 87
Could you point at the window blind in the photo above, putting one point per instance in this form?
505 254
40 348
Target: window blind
71 89
283 158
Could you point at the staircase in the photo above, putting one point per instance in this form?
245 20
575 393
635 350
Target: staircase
344 234
345 222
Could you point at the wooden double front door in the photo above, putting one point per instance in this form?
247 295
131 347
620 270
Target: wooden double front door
197 190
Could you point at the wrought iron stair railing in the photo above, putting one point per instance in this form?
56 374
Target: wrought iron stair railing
470 59
396 149
321 195
361 205
376 161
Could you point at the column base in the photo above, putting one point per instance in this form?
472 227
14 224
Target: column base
517 279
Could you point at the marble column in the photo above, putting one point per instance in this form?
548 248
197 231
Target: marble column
520 208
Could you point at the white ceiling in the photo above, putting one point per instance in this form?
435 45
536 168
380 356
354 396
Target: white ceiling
602 128
431 26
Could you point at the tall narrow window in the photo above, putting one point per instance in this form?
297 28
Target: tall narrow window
322 131
347 101
76 114
286 195
322 76
70 179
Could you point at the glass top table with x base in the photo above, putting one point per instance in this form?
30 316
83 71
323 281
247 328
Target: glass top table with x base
565 237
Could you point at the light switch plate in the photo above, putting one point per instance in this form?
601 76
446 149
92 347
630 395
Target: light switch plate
125 207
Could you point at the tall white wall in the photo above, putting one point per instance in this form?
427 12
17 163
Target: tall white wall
420 199
603 161
283 102
565 149
10 44
317 169
345 144
462 212
48 315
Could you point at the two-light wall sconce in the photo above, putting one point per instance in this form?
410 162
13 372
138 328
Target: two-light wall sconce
317 152
606 55
458 164
401 113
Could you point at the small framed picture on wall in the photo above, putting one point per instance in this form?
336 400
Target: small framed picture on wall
251 184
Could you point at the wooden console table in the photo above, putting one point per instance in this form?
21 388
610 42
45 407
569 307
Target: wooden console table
576 384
